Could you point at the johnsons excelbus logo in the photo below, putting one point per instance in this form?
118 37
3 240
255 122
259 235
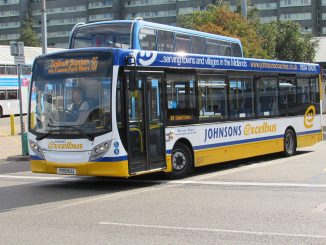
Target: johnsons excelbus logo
64 146
309 117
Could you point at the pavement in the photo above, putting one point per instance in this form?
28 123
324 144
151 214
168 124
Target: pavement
10 145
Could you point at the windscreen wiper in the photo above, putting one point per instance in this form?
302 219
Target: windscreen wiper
40 137
86 135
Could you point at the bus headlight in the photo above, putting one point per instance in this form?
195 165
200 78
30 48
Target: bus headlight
100 150
36 149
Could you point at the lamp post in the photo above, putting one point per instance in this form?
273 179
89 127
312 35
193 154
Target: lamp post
244 8
44 29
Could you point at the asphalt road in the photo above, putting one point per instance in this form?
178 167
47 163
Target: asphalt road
264 200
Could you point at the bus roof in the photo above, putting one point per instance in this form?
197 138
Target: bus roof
141 23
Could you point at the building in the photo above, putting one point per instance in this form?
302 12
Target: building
310 14
62 15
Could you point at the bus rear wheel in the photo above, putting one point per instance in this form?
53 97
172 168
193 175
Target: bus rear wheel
181 160
290 144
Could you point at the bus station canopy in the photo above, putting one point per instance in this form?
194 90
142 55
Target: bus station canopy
30 54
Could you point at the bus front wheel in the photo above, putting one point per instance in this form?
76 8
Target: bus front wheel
181 160
290 145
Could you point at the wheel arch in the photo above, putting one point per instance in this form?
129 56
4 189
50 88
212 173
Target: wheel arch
187 143
295 133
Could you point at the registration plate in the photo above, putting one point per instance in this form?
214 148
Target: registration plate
69 171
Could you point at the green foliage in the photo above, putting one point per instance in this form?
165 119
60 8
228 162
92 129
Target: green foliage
291 44
27 34
219 20
277 40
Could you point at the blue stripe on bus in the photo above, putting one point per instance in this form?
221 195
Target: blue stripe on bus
309 132
201 147
33 157
111 159
10 81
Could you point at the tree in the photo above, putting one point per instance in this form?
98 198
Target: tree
219 20
277 40
27 34
291 44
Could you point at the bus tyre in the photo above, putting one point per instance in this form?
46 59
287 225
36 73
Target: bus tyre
1 115
290 144
181 160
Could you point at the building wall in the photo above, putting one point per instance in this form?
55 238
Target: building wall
62 15
310 14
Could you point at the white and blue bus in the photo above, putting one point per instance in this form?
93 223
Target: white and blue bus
144 35
9 89
146 111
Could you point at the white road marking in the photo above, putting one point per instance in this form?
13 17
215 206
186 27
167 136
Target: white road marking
257 233
7 176
258 184
176 182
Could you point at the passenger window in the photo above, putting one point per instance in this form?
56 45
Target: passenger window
181 97
211 47
26 70
165 41
182 43
287 96
147 39
12 95
2 94
224 49
314 90
11 70
303 90
198 45
266 94
212 93
2 69
241 97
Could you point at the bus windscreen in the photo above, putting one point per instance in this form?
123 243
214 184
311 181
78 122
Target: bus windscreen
71 95
109 35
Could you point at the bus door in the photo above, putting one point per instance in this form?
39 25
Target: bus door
146 139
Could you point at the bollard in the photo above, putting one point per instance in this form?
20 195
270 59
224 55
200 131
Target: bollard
32 119
12 124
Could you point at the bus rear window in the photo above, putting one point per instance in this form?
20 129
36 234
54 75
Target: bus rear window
236 50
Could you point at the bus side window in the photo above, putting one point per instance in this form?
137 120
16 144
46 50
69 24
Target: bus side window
12 95
198 45
181 97
211 47
165 41
182 43
266 95
212 92
147 39
224 49
314 90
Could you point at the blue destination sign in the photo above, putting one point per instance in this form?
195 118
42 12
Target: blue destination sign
159 59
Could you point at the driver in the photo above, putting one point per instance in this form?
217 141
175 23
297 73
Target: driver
80 105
